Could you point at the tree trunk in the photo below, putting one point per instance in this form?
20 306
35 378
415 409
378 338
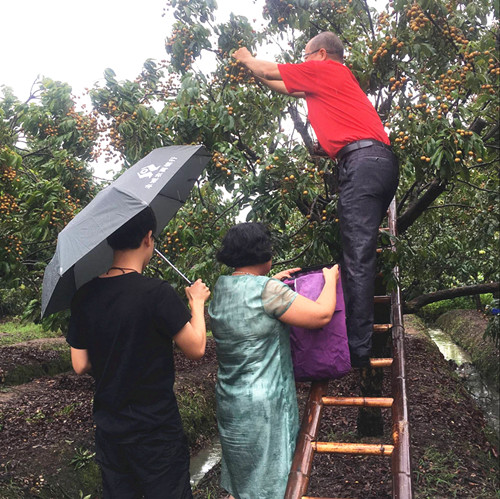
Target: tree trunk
417 207
416 304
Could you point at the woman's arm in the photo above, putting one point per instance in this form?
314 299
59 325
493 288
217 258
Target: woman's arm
314 314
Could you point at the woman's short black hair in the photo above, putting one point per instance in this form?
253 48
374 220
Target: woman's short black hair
131 233
246 244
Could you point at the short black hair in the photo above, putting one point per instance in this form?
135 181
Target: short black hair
131 233
246 244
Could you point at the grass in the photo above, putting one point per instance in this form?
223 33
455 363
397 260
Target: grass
439 474
197 413
205 493
429 313
24 373
14 331
82 458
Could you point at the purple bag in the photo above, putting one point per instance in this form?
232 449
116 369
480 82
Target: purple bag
319 353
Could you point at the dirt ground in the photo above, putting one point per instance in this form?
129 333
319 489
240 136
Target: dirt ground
45 421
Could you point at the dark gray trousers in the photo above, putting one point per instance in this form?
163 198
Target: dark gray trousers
368 179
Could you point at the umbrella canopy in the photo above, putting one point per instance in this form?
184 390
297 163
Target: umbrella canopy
163 180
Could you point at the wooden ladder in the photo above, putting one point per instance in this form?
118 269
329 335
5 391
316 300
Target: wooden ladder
399 450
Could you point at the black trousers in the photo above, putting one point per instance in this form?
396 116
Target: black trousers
154 468
368 179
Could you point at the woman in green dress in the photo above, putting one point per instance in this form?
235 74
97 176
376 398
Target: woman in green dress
257 409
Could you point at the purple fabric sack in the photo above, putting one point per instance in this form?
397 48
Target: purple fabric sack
319 353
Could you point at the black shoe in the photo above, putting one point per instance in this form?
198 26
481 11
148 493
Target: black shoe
360 361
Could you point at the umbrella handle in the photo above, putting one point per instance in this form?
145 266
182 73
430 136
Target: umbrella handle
173 266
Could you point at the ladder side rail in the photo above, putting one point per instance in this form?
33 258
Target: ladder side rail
298 478
401 462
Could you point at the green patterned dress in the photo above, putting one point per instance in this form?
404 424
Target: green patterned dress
256 399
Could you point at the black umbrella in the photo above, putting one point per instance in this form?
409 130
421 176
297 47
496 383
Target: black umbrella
162 180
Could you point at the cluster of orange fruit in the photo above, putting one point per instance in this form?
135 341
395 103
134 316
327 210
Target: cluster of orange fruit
456 35
383 20
14 244
417 17
8 204
339 7
494 67
173 243
240 75
8 174
386 46
183 34
402 140
86 125
49 130
221 161
279 9
397 84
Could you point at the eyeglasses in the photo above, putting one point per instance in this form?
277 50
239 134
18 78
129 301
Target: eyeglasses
305 55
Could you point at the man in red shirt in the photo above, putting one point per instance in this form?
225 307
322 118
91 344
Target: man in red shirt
349 130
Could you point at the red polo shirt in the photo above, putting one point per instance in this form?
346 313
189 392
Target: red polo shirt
339 111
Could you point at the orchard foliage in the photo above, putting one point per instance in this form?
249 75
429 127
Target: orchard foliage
44 178
431 69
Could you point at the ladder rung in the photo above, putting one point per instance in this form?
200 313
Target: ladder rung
381 328
380 362
358 401
349 448
382 299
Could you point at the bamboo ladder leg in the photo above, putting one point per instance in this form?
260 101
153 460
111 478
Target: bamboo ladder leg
298 479
399 450
401 463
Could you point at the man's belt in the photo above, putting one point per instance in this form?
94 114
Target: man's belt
360 144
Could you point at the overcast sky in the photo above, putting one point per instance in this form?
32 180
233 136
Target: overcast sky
74 40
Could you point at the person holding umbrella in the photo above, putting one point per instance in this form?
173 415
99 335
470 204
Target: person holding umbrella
121 330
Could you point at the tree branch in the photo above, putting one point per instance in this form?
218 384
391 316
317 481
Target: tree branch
302 253
367 9
481 165
492 133
450 205
406 195
417 207
237 202
301 127
475 186
416 304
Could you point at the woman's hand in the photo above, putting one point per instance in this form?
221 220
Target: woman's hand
332 274
286 273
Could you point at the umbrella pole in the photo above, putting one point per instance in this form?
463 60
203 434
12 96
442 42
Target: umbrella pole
173 266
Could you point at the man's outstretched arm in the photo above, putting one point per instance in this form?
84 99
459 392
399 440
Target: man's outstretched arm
263 69
279 86
267 72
